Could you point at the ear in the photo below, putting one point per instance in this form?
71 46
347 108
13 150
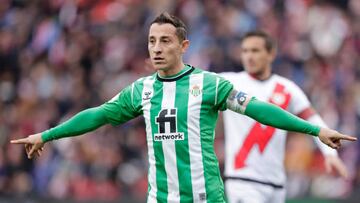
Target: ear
184 45
273 53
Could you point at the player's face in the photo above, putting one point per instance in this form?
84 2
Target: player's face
165 48
255 57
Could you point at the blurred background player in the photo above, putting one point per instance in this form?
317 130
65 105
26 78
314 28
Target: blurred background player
254 156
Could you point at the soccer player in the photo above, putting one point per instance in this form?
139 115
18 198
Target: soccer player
254 153
180 105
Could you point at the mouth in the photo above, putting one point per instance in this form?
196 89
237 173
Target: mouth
158 60
251 64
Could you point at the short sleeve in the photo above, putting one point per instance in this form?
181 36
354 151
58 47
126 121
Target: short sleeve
299 102
120 108
224 87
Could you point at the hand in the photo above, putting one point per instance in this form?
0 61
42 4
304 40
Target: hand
334 162
34 144
332 138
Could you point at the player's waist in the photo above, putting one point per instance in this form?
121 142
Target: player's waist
268 183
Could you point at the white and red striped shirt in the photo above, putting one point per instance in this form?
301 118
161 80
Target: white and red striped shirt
252 150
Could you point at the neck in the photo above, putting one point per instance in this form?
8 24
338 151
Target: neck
263 75
171 71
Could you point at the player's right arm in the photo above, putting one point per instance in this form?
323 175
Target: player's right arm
116 111
272 115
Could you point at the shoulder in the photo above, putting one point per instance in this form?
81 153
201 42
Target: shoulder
231 74
234 76
289 84
208 73
213 76
140 82
283 80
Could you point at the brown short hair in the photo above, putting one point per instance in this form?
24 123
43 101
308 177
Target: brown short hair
165 17
270 43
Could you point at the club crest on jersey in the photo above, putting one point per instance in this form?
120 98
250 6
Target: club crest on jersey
195 90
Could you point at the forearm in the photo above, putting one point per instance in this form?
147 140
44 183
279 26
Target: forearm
84 121
272 115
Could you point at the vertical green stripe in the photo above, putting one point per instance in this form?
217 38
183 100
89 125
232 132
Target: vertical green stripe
182 146
161 177
208 117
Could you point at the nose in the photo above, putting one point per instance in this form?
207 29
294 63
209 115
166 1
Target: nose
247 56
157 49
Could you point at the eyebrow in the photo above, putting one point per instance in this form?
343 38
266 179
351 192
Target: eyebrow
162 37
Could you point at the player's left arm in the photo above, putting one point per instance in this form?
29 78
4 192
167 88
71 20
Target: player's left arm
272 115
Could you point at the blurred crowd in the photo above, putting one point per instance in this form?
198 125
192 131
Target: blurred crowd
58 57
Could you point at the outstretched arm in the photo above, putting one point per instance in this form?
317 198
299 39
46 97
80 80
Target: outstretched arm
116 111
272 115
84 121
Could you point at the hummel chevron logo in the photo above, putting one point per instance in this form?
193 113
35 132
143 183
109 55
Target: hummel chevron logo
147 95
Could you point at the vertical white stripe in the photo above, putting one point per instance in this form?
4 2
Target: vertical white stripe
168 101
216 90
196 160
148 87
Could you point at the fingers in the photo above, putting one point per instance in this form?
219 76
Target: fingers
34 149
337 143
20 141
332 138
38 152
334 143
347 137
27 148
334 146
33 144
331 144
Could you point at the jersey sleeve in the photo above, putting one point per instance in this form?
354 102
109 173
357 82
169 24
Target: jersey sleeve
223 88
299 101
121 108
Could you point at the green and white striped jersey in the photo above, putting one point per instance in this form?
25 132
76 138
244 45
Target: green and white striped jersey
180 116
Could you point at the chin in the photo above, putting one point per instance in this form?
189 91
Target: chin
253 71
160 67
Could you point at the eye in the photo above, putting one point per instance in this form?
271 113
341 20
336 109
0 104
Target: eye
165 41
151 41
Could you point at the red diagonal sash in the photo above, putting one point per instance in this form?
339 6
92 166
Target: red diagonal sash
259 135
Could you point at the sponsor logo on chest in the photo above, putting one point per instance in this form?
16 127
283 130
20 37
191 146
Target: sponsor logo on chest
167 126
